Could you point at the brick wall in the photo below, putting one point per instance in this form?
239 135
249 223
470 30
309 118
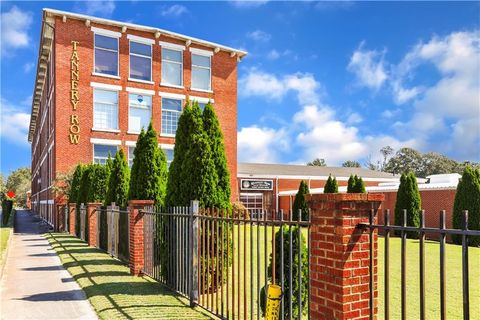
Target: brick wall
224 84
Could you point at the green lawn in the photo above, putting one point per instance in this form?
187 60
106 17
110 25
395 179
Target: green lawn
112 291
5 235
432 282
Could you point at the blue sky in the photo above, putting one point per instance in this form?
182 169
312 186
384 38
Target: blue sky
335 80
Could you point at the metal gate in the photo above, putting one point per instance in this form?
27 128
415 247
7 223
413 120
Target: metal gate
223 260
112 231
83 218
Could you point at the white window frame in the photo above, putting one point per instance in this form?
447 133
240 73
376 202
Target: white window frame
173 47
203 53
104 142
161 114
128 153
116 130
110 34
130 131
144 41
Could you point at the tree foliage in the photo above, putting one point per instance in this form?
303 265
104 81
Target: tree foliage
299 260
301 203
74 193
318 162
351 164
408 197
355 185
119 180
331 186
214 136
149 170
467 197
19 181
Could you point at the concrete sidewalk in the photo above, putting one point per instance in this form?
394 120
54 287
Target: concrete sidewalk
34 284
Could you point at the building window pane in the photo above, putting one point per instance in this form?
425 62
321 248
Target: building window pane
252 201
131 156
171 110
172 67
139 112
168 155
106 55
201 72
101 153
105 109
140 61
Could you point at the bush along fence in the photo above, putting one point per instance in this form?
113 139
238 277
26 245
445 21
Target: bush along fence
224 260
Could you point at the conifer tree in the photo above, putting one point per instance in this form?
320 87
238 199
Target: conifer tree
149 179
334 185
467 197
98 180
408 197
118 182
331 186
175 194
76 183
351 184
301 203
359 185
214 136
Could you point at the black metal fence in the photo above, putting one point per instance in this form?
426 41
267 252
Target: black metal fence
113 232
223 260
420 232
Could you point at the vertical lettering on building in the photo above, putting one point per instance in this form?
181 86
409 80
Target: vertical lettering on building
74 130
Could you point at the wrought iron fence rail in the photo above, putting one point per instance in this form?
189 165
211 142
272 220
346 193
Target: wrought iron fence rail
420 232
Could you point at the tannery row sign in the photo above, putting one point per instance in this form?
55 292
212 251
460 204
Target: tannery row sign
74 131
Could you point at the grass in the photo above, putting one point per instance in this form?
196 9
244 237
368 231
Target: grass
112 291
432 280
5 232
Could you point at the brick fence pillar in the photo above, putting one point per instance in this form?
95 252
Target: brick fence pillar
136 234
339 259
92 223
72 207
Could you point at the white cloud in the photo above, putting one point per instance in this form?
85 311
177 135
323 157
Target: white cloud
315 129
261 145
274 54
259 83
14 30
242 4
97 8
14 123
259 35
368 67
27 67
452 104
175 11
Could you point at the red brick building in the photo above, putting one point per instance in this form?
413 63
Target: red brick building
99 81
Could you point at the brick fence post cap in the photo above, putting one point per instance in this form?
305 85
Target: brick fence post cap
71 204
94 204
136 203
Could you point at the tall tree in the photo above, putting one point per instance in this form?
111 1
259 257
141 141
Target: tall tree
214 136
119 180
405 159
386 152
97 190
467 197
351 164
317 162
300 203
408 197
176 174
435 163
74 193
150 179
359 185
19 181
351 184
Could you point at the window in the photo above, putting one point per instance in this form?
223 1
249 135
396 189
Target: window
172 67
252 201
140 61
106 55
168 153
101 152
201 72
139 114
131 156
171 110
105 110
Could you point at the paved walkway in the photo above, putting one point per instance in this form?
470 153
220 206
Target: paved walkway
34 284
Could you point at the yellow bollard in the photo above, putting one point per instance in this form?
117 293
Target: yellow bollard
274 297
